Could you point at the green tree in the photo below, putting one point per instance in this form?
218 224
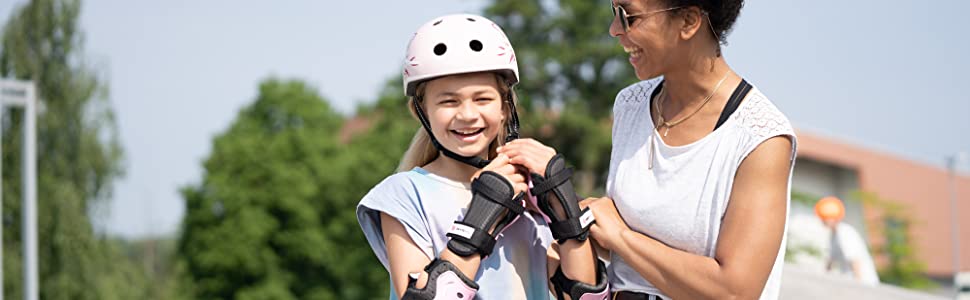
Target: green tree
273 217
904 269
571 70
79 157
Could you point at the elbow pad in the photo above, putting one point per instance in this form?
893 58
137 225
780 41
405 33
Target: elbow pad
579 290
445 282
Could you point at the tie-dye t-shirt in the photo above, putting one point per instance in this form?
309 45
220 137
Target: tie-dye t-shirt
427 204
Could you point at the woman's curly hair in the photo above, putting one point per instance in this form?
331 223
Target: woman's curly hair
723 13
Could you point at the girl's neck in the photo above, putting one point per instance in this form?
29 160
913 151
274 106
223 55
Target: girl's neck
452 169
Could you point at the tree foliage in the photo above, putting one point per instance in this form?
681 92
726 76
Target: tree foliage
571 70
79 157
273 217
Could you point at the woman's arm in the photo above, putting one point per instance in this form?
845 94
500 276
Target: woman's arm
404 256
750 235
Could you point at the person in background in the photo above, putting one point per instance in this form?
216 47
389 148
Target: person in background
848 253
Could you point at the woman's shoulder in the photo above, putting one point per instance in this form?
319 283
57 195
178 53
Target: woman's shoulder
637 93
758 116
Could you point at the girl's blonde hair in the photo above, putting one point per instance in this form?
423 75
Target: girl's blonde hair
422 151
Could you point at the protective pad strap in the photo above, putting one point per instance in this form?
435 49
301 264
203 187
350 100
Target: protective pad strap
573 227
445 282
466 234
557 185
553 181
498 195
579 290
493 205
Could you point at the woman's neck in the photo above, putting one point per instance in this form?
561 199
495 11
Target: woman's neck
452 169
689 87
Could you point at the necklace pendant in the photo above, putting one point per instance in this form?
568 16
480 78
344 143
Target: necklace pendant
666 131
650 159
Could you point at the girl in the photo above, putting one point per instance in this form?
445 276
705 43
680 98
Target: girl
456 208
458 74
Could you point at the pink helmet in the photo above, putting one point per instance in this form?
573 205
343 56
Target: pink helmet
456 44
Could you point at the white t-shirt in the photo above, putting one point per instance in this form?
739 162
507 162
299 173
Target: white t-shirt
848 247
682 200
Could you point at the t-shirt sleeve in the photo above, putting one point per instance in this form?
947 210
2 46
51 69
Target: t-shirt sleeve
762 121
397 197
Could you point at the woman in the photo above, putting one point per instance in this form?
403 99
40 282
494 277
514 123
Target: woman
701 164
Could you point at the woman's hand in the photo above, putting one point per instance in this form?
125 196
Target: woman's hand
609 226
528 153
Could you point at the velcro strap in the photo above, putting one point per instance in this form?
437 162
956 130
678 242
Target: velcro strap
572 227
478 239
546 184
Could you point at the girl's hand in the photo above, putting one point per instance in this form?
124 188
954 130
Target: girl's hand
609 226
528 153
511 174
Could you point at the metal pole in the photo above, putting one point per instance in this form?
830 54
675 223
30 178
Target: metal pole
2 110
30 192
951 165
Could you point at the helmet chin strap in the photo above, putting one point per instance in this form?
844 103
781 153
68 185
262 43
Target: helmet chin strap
512 130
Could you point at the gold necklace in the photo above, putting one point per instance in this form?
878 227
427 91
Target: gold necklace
669 125
660 116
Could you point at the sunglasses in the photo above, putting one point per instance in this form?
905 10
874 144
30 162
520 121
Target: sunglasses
627 19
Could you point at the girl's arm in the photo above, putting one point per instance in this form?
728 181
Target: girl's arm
574 251
404 257
750 235
498 181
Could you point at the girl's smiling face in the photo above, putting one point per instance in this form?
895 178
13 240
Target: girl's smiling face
465 111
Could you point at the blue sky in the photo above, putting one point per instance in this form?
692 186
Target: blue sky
887 75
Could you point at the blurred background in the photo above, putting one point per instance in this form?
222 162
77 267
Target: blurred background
217 149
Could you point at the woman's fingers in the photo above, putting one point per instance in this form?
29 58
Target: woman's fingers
527 162
529 153
499 161
529 158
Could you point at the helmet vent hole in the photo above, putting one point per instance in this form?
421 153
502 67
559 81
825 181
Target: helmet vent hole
470 19
475 45
438 22
440 49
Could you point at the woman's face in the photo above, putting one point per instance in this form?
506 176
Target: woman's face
652 38
465 112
